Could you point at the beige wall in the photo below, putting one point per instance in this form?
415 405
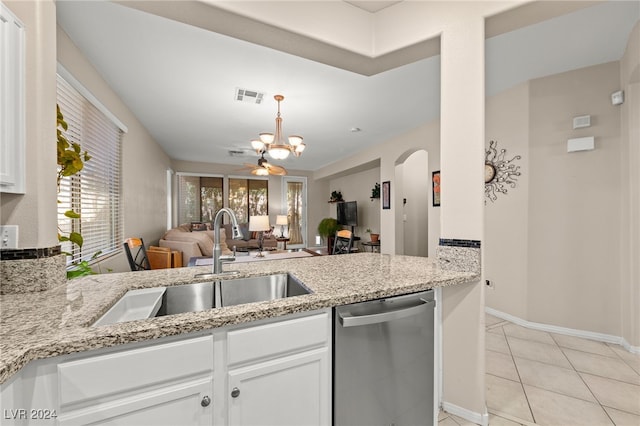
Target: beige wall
35 211
553 244
392 153
575 202
412 224
506 241
630 170
144 163
317 191
357 187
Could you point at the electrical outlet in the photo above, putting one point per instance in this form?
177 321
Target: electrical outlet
489 284
9 236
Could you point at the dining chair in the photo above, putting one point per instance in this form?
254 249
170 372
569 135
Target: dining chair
136 254
159 257
343 242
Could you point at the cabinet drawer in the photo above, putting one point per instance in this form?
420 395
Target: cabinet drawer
104 375
277 338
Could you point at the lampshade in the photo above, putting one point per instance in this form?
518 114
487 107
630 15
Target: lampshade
259 223
266 138
281 220
260 172
278 152
258 145
295 140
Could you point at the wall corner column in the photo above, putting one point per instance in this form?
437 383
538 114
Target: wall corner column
462 213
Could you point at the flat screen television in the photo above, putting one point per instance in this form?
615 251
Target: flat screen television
348 213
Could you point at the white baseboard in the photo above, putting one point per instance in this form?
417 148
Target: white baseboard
472 416
601 337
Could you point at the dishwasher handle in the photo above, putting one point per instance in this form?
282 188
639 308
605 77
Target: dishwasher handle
348 320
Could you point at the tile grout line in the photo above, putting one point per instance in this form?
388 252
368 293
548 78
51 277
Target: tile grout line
622 359
519 377
511 417
573 368
595 374
582 380
537 360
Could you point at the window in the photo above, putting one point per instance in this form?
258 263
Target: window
248 197
94 193
199 198
296 200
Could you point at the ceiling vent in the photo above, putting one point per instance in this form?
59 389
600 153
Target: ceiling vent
236 153
249 96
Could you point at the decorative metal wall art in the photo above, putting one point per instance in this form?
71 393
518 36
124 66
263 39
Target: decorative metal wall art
499 173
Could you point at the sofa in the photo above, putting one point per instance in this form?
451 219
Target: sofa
196 240
249 238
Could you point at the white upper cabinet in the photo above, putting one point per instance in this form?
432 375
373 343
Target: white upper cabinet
12 103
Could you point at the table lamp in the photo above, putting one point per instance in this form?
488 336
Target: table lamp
259 224
282 220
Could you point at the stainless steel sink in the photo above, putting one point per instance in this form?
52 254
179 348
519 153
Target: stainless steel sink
228 292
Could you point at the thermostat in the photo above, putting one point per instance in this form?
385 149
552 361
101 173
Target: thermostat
617 98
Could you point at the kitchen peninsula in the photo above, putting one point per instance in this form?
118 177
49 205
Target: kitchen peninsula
57 322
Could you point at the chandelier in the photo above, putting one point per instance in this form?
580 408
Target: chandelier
274 144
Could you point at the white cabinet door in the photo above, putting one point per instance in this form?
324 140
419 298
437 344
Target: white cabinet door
292 390
12 102
185 404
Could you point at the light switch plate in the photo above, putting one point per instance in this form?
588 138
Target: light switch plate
9 236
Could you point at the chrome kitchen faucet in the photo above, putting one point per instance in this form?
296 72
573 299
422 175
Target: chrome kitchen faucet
217 251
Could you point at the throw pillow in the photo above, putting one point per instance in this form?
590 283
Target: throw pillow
198 226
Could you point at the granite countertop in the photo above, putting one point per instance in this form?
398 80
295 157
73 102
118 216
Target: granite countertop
58 321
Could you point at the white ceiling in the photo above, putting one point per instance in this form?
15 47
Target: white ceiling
180 80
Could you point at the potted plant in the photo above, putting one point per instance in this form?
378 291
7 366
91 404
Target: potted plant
374 237
336 197
71 161
375 191
327 229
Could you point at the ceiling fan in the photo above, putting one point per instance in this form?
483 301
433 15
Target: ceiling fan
264 168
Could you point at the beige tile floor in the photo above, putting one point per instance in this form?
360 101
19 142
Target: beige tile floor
535 377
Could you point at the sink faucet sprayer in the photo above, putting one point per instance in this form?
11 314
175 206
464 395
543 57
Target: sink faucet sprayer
217 251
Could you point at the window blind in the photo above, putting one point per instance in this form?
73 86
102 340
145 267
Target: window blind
95 192
199 198
248 197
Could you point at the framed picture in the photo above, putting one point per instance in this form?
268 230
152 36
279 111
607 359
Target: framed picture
435 188
386 195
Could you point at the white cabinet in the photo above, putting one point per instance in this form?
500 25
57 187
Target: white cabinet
278 369
184 404
280 374
291 391
12 104
164 384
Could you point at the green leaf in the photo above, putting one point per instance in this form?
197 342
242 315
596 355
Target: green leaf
76 238
71 214
82 269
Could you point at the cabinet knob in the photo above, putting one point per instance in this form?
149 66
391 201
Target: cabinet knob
205 401
235 392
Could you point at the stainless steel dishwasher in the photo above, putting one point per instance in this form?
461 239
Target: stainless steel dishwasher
383 362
